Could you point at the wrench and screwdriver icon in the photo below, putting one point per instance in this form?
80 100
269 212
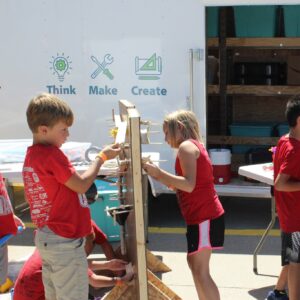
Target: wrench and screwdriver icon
108 59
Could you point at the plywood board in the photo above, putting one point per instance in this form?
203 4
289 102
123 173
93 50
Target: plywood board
135 238
155 265
161 287
144 285
121 134
157 290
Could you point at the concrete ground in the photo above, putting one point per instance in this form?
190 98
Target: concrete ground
231 267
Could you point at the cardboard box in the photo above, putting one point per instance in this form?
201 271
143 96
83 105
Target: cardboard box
293 70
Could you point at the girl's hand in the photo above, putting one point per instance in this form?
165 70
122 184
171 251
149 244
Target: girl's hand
151 169
19 222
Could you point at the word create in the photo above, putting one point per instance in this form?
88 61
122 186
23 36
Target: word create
137 91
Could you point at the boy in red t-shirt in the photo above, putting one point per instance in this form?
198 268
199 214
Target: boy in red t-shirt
287 195
55 192
8 225
29 284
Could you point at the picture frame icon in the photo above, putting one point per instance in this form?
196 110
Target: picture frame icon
148 68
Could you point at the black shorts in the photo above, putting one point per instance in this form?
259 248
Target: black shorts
290 248
207 235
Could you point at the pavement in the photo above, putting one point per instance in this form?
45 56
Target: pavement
231 268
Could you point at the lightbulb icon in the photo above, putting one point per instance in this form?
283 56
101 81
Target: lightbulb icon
61 66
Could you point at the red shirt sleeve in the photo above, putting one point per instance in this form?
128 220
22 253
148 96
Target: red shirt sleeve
290 165
100 236
90 272
61 164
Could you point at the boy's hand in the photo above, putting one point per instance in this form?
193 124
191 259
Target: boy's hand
119 273
129 273
117 265
111 151
19 222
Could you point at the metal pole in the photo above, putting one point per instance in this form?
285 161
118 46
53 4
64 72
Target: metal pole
262 240
191 63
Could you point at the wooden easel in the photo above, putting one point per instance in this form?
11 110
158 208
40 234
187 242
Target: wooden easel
145 285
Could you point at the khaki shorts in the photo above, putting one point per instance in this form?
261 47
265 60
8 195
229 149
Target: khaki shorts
64 266
3 263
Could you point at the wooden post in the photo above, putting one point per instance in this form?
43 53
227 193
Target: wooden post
145 285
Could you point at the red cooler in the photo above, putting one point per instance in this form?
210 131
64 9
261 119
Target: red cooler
221 162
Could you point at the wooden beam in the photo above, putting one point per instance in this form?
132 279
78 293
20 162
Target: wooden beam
157 290
155 293
135 238
155 265
140 288
121 134
279 42
164 290
120 291
256 90
237 140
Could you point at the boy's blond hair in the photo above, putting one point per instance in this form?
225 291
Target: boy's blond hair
185 122
47 109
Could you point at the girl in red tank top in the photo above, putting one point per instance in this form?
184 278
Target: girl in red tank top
197 198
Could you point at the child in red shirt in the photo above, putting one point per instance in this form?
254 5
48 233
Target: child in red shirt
9 223
197 198
287 195
55 192
29 284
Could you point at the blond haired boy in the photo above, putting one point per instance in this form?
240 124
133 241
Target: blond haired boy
55 192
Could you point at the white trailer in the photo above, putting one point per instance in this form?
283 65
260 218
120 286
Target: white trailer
93 53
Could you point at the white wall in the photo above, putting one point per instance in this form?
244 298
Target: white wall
34 33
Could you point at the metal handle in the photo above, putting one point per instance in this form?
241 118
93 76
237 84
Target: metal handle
191 64
197 55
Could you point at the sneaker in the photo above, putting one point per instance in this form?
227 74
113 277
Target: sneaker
272 296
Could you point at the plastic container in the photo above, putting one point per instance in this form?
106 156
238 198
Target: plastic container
212 21
106 223
291 20
221 162
255 21
251 130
